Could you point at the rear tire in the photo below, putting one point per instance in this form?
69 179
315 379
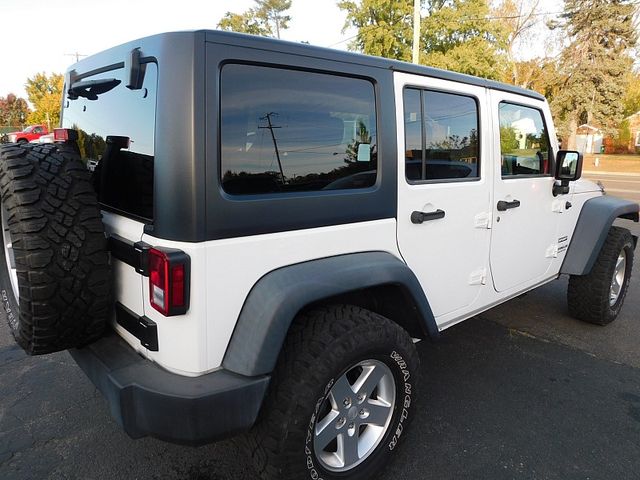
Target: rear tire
54 243
315 409
598 296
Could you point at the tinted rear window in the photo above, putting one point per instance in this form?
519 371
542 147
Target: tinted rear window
116 140
290 131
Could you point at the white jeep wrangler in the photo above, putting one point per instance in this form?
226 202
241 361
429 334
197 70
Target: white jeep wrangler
282 223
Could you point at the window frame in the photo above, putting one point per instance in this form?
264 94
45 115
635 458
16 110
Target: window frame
638 138
301 193
552 157
423 89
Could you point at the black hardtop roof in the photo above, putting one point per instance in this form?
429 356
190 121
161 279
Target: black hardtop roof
271 44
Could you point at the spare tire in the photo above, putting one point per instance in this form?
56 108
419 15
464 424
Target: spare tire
55 271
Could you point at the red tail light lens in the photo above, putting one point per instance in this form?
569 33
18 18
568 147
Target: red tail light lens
64 134
169 281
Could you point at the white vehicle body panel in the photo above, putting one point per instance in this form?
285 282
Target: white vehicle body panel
224 271
523 238
450 256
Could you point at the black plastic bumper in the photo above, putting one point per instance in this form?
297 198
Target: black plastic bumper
147 400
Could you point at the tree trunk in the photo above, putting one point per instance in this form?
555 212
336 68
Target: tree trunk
570 142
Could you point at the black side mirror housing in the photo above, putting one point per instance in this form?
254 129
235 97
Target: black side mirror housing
568 169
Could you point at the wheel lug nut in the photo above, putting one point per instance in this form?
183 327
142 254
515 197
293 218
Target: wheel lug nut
341 421
346 402
361 397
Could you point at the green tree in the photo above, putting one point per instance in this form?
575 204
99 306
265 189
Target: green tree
457 35
632 95
594 66
14 110
45 94
384 27
522 24
265 19
461 35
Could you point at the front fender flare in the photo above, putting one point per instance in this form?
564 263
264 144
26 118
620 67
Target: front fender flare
595 220
275 300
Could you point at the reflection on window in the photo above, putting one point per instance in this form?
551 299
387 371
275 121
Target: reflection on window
116 135
286 131
441 135
524 141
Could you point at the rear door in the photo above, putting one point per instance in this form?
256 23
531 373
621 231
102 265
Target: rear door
116 133
444 194
524 236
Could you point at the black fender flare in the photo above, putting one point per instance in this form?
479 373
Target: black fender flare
595 220
276 299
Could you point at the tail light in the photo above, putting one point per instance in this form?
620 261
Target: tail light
169 275
65 135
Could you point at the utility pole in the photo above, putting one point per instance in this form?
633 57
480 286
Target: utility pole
76 54
270 126
277 19
416 31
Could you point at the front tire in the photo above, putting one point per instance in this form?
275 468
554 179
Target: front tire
340 400
598 296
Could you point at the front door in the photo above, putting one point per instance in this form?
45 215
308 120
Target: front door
526 214
444 197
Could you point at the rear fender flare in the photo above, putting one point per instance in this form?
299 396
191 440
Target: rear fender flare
276 299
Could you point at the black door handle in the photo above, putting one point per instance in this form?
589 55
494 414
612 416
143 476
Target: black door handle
419 217
504 205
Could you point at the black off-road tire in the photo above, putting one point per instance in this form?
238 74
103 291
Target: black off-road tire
60 249
321 346
588 295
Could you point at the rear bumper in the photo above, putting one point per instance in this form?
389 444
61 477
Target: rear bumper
147 400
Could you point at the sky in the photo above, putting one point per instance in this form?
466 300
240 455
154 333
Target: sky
42 35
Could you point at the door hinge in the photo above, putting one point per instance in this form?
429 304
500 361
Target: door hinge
482 220
478 277
552 251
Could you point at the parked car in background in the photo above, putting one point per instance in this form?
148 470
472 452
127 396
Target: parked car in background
47 138
32 132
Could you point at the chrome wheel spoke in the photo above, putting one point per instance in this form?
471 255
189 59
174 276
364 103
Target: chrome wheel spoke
326 430
348 448
341 390
368 380
376 413
617 281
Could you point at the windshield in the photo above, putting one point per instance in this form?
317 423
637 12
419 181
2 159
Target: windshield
28 129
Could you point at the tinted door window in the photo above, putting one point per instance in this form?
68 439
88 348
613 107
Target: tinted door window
441 135
290 131
524 141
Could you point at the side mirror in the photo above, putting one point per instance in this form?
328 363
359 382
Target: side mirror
568 169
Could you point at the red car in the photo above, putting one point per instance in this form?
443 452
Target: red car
30 133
